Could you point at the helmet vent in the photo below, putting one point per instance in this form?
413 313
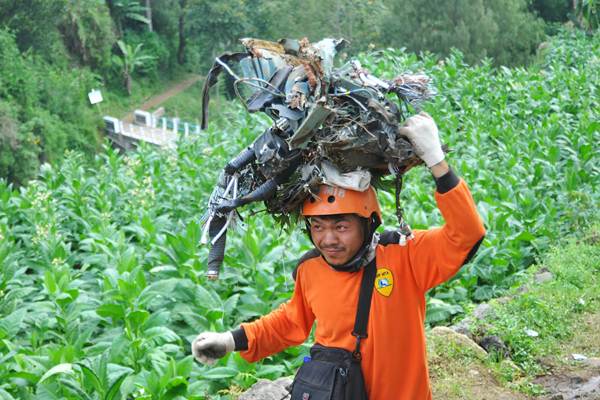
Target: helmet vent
331 199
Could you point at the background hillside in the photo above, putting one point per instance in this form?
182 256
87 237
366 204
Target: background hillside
52 53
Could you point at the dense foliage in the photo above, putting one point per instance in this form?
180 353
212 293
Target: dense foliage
500 29
102 282
43 111
524 139
53 52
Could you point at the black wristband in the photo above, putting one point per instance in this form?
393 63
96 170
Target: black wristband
446 182
240 339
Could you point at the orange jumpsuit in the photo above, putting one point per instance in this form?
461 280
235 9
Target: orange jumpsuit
394 360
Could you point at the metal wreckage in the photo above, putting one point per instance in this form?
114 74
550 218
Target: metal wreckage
330 125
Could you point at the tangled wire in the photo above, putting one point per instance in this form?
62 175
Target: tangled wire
330 125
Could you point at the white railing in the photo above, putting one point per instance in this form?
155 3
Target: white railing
151 128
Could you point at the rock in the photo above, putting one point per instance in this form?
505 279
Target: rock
483 311
523 289
459 339
494 344
578 357
268 390
554 397
503 299
548 362
285 382
531 332
593 362
543 276
463 327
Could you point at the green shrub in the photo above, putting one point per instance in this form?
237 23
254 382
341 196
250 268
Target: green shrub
158 48
45 110
523 139
501 29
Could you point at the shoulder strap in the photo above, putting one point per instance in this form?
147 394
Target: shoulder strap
389 237
313 253
364 306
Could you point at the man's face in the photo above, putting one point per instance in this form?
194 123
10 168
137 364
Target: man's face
337 237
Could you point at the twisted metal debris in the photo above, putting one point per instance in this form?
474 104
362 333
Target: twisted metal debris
330 125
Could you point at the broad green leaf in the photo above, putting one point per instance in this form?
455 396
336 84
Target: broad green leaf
160 334
13 323
114 311
114 391
137 318
163 288
219 373
92 378
4 395
65 368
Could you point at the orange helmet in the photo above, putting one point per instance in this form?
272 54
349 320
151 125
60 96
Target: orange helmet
333 200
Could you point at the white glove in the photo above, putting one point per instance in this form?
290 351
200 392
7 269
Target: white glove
422 133
208 347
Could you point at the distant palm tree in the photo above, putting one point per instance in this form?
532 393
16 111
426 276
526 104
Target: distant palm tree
129 61
123 10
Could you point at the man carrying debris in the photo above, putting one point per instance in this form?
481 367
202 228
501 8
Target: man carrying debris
341 224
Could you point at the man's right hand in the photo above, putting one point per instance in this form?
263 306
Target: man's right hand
208 347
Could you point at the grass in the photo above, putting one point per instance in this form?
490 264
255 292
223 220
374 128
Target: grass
553 308
186 105
564 311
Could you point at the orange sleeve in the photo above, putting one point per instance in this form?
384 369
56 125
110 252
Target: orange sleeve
437 254
288 325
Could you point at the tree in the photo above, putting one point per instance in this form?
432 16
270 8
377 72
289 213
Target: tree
519 32
124 10
183 10
130 60
214 26
87 31
34 23
552 10
149 15
586 14
502 29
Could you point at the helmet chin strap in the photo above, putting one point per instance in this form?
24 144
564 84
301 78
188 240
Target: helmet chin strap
364 256
365 253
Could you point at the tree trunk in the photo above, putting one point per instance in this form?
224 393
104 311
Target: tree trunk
182 39
127 82
149 14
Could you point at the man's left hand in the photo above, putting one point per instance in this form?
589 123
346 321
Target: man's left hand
422 132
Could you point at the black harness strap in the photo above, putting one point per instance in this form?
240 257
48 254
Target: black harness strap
364 306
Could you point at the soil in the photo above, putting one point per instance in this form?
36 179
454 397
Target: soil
157 100
457 373
571 379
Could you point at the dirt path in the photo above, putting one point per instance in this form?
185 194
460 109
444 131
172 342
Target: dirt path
571 378
155 101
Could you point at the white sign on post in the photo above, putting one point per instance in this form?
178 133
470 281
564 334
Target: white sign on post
95 96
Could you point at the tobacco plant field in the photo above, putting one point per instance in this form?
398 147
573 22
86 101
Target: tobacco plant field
102 282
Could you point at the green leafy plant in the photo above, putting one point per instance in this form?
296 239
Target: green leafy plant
129 61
